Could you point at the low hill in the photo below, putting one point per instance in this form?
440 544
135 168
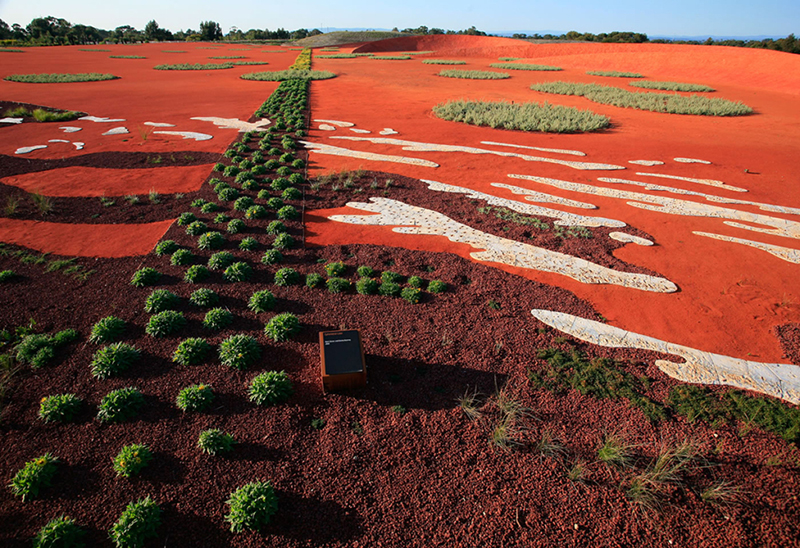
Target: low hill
339 38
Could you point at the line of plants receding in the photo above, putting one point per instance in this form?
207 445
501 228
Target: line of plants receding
614 74
59 78
521 116
443 62
654 102
669 86
127 57
194 66
300 70
474 74
523 66
42 115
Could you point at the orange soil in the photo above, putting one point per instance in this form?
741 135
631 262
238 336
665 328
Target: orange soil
730 296
84 240
141 95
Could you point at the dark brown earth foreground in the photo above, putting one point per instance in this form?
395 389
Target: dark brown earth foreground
422 474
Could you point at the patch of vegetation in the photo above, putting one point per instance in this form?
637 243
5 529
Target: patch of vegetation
614 451
61 532
235 226
239 351
276 227
220 260
248 244
390 289
287 276
145 276
270 388
411 295
654 102
614 74
390 57
523 66
211 240
215 442
204 297
282 75
238 272
474 74
165 323
282 327
107 329
37 349
113 359
181 257
57 78
600 378
217 319
126 57
521 116
33 476
195 398
261 301
669 86
196 273
251 507
314 280
337 285
272 256
131 459
443 62
59 408
160 300
120 405
168 247
437 286
367 286
191 351
194 66
137 523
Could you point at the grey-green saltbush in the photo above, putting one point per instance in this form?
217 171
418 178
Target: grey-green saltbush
474 74
523 66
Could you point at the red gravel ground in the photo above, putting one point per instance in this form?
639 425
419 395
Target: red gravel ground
375 474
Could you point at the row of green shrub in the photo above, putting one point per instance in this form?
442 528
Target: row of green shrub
474 74
59 78
523 66
525 116
654 102
194 66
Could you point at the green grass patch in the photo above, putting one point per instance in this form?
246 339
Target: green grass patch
126 57
509 58
523 66
195 66
59 78
391 57
600 378
240 63
654 102
614 74
42 115
281 75
474 74
669 86
443 62
97 50
7 50
339 56
524 117
228 57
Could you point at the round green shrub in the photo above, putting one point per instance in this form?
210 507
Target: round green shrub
251 507
270 388
394 277
196 228
107 329
248 244
132 459
145 276
194 398
251 184
263 194
288 213
272 163
243 203
220 260
35 475
437 286
160 300
120 405
61 532
243 177
196 273
298 164
276 227
138 522
259 170
389 289
238 272
228 194
246 164
204 297
220 167
220 218
365 271
261 301
275 203
167 247
209 207
287 276
211 240
411 295
59 408
336 268
217 318
314 280
113 359
165 323
181 257
283 241
337 285
416 282
291 193
280 184
296 179
282 327
272 256
231 171
256 212
239 351
367 286
236 226
215 442
287 158
185 219
274 151
284 171
191 351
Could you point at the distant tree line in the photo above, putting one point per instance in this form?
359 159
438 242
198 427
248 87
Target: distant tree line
790 44
425 30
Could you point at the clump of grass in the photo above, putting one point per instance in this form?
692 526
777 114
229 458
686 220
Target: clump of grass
59 408
132 459
59 532
523 66
34 476
521 116
120 405
194 66
251 506
474 74
239 351
59 78
614 451
469 404
654 102
549 446
6 275
195 398
211 240
270 388
138 522
667 469
614 74
722 493
215 442
191 351
367 286
443 62
282 75
42 115
669 86
282 327
248 244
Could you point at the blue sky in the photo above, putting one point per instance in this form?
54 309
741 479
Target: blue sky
667 17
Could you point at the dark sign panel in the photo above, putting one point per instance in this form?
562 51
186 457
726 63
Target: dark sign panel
342 360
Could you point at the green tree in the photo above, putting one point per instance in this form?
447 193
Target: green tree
210 31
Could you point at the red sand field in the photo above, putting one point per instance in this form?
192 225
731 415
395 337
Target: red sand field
423 474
